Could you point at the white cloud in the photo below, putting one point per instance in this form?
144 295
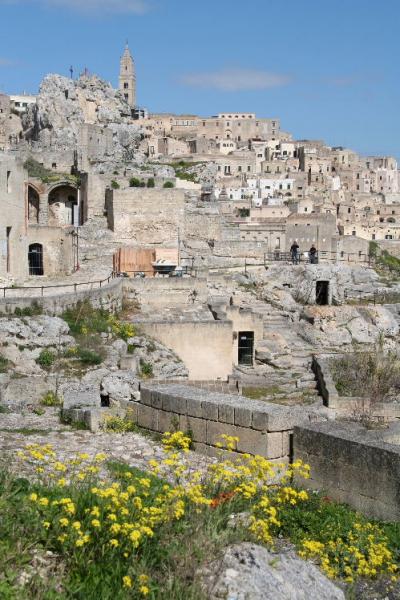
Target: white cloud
92 6
235 80
6 62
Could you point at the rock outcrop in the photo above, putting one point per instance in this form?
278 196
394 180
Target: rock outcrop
64 105
251 572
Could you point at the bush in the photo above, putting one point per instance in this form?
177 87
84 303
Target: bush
146 369
50 399
88 357
119 425
151 183
84 319
168 184
134 182
374 375
115 185
4 364
29 311
46 358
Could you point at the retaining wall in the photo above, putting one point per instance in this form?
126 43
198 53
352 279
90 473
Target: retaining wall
351 468
349 405
109 297
262 428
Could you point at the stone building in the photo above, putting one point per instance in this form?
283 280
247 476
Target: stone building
13 222
127 78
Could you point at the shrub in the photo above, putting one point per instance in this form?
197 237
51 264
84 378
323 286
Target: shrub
146 369
372 375
50 399
4 363
151 183
119 425
29 311
115 185
134 182
88 357
168 184
46 358
84 319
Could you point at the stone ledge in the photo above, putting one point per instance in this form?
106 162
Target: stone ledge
351 465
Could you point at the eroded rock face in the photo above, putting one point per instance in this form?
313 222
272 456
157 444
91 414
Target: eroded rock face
251 572
64 105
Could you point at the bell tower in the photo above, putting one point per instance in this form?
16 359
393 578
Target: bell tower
127 77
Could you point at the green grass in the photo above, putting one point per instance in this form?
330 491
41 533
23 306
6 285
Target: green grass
256 393
50 399
146 369
4 364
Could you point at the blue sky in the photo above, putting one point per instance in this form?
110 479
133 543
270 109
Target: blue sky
329 70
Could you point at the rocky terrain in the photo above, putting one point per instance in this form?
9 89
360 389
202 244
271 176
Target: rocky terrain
64 105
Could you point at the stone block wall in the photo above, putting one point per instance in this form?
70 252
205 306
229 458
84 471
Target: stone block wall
56 300
262 428
350 467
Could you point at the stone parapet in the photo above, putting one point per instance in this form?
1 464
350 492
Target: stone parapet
350 466
262 428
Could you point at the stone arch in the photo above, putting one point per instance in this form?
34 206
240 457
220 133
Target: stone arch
391 220
33 204
62 198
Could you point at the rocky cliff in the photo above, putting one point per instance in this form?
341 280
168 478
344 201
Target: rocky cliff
65 105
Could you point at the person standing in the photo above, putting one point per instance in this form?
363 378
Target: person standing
313 255
294 252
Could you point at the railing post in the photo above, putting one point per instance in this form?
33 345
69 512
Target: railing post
42 292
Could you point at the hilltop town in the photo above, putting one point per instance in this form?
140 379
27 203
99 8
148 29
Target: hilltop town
210 275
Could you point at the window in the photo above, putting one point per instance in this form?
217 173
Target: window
126 85
353 233
373 236
349 210
239 168
8 182
249 169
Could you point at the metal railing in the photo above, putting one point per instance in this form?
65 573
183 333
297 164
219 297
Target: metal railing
186 270
321 256
6 292
376 297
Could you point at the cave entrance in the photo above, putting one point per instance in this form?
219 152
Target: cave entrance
322 293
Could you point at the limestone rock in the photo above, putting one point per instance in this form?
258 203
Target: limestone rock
64 105
120 385
251 572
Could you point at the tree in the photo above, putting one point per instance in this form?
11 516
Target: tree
168 184
134 182
150 183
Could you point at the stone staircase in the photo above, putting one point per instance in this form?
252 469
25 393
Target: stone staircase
283 359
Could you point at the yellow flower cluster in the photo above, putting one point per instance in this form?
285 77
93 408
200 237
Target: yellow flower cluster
115 519
364 552
45 463
120 328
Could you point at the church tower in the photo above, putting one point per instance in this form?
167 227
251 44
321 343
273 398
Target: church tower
127 77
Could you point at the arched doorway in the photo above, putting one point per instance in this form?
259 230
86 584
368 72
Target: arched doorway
33 205
62 200
35 259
